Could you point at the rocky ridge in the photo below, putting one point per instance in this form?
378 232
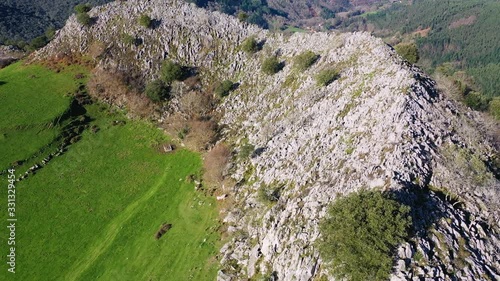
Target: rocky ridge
382 124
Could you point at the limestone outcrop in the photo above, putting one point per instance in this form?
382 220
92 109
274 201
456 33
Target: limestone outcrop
382 124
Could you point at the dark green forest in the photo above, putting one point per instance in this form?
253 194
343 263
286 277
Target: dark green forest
251 11
465 33
24 20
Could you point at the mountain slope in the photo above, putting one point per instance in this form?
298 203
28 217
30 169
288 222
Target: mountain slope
25 20
380 125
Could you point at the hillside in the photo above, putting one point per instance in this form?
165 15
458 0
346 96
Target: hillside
94 188
23 20
379 124
466 36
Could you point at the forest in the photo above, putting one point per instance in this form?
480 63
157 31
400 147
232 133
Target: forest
463 33
21 21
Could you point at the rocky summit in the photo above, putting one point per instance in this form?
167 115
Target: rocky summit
381 124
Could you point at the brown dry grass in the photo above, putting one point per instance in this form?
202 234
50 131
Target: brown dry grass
463 21
214 164
96 50
196 105
201 134
112 87
60 61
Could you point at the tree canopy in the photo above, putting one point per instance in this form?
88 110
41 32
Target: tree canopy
360 233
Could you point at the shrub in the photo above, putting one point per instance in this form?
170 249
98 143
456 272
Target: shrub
171 71
305 60
246 151
326 76
196 104
128 39
157 91
201 134
115 86
214 163
82 8
409 52
84 19
38 42
242 16
250 45
224 88
145 21
271 66
494 107
360 234
476 101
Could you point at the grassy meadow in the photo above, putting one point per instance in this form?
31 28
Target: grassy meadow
93 212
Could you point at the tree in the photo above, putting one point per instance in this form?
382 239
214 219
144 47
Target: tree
84 19
305 60
494 108
409 52
476 101
145 21
82 8
361 232
171 71
250 45
224 88
271 65
242 16
326 76
157 91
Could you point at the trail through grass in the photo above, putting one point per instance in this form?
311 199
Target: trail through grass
111 232
92 213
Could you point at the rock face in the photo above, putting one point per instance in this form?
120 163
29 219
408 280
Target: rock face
380 125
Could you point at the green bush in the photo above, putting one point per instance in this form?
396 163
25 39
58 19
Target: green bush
326 76
246 151
409 52
82 8
476 101
305 60
224 88
145 21
84 19
128 39
250 45
494 108
361 232
157 91
271 66
171 72
242 16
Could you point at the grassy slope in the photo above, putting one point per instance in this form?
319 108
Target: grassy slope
25 128
92 213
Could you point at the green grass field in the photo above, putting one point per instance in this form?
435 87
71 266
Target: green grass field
92 213
30 99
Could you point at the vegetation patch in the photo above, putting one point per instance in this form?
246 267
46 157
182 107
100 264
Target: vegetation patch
171 71
224 88
360 234
305 60
272 65
145 21
157 91
250 45
408 51
326 76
